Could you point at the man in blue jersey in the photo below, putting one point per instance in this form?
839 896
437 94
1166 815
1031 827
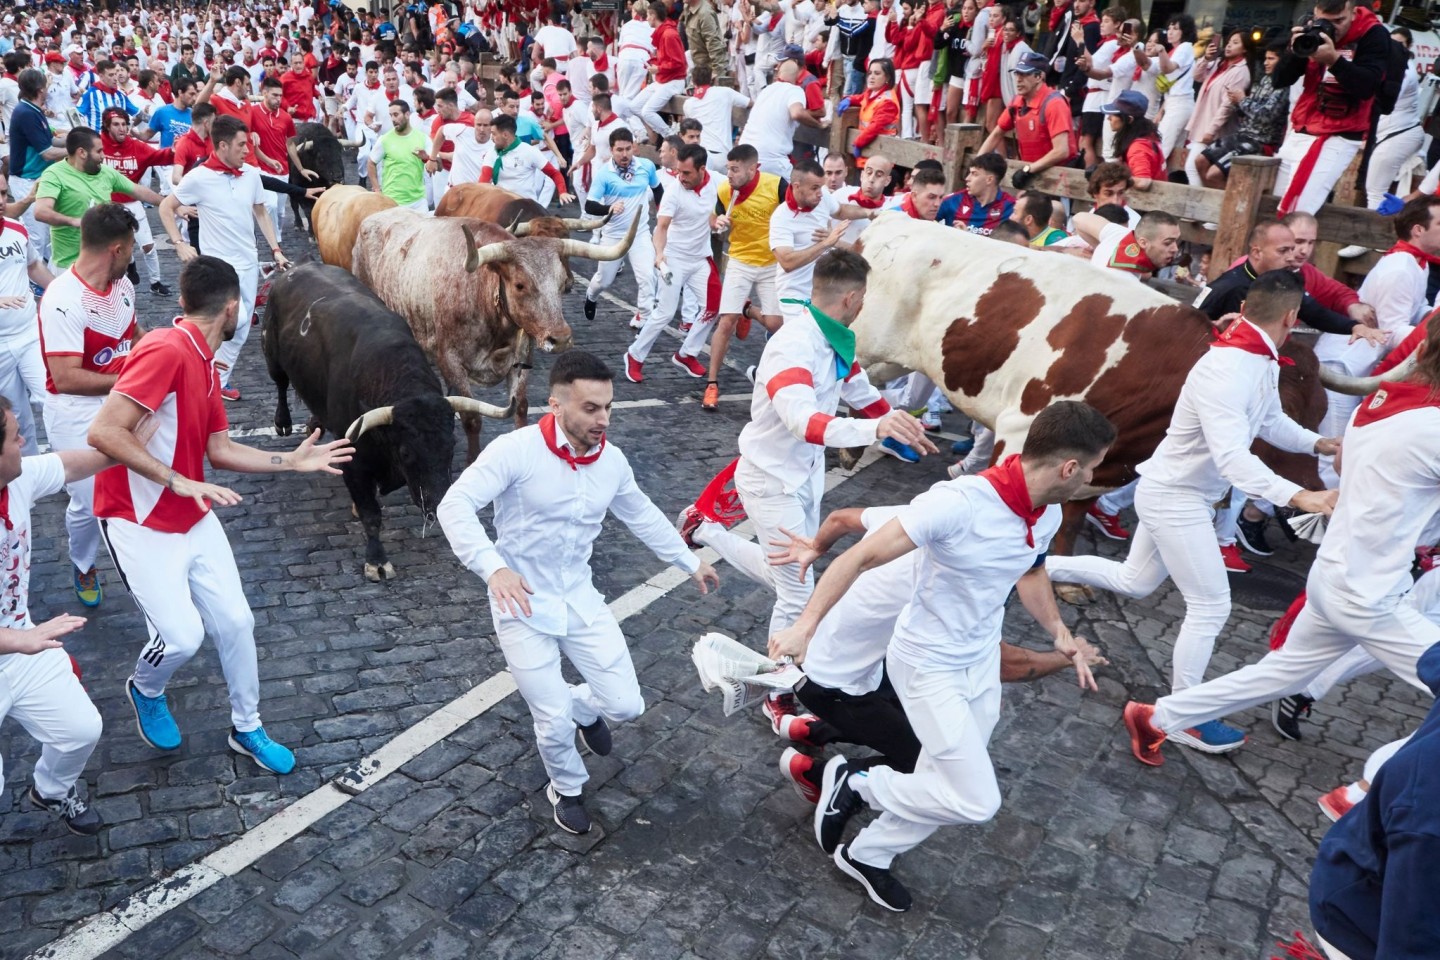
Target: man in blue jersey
622 188
982 205
33 147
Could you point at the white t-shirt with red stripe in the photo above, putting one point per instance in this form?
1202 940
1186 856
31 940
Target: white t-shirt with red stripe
39 477
171 374
97 326
16 255
690 211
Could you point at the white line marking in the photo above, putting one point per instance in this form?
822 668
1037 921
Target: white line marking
674 331
105 931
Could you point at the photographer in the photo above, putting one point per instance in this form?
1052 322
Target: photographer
1341 53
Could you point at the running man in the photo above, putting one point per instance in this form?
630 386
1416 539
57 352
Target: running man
622 189
157 514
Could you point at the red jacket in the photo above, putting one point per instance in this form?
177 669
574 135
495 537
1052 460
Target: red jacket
132 158
907 41
1330 102
1327 291
669 58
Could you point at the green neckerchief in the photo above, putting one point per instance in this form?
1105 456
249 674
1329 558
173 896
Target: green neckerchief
500 160
840 337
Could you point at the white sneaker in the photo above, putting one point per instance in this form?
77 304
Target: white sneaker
930 420
1352 251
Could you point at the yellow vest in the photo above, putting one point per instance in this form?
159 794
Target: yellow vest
750 221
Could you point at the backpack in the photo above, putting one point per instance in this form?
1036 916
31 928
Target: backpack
1041 108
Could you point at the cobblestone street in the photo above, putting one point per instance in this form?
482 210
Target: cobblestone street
700 848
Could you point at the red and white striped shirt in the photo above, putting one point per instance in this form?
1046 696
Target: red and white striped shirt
97 326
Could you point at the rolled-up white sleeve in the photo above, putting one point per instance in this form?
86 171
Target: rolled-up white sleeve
478 486
650 526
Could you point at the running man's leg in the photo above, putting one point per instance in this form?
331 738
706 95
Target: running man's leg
220 597
41 693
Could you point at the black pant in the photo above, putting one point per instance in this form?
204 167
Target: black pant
875 720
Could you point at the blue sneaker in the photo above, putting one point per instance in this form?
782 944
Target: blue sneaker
152 718
894 448
87 587
962 448
258 746
1210 737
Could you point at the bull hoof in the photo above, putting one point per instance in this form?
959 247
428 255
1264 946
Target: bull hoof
376 572
283 430
1075 594
355 512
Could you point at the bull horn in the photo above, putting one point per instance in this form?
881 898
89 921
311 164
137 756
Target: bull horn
1361 386
519 229
357 143
308 144
478 255
600 252
580 224
379 417
469 405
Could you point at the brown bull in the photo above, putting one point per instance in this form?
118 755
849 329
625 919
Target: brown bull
521 215
477 298
337 217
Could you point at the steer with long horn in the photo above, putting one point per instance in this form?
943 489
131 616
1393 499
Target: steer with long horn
478 298
522 216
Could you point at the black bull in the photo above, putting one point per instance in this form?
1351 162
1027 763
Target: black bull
319 152
358 369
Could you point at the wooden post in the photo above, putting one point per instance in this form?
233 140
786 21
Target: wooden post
840 127
1251 178
961 141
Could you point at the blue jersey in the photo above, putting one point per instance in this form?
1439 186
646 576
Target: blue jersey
30 136
528 129
95 101
171 123
964 211
633 186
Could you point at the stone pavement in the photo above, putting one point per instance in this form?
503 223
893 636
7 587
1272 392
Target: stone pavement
700 850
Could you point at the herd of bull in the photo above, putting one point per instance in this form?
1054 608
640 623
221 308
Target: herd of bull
473 290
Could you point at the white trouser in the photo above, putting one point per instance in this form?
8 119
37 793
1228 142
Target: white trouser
543 188
610 689
1376 760
272 201
642 264
162 174
909 82
1356 663
1358 360
770 508
229 351
1192 172
1117 500
39 232
1172 124
630 78
439 184
67 424
186 585
953 713
695 276
776 164
1327 628
1386 160
1335 156
982 451
40 692
1175 537
1107 139
657 98
419 205
909 391
145 241
22 381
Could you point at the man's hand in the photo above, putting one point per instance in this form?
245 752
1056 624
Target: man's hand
309 174
722 223
204 494
1072 647
510 592
12 303
794 549
185 252
617 208
1326 54
1235 96
1327 446
567 198
313 193
45 636
282 262
791 642
1312 501
706 578
312 457
272 164
189 213
1371 335
901 426
1363 313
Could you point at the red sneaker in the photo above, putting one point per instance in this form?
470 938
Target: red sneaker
1234 563
634 369
1145 740
230 393
776 709
690 365
795 767
1335 804
742 326
687 523
1108 524
796 728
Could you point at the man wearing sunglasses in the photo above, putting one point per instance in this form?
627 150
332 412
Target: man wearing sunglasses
1040 117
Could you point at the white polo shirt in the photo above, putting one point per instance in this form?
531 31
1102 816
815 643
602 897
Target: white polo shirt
688 239
16 255
468 157
227 219
770 129
517 169
796 229
715 111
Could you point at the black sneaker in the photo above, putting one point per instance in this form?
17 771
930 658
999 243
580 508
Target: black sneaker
1285 714
838 803
78 815
570 814
589 309
159 289
882 886
596 736
133 273
1251 534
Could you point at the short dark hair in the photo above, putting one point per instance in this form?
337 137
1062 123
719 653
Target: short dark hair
180 85
201 111
446 94
1113 212
1067 430
206 285
1272 295
701 75
600 82
5 405
1333 6
675 142
1038 207
1415 213
80 138
1153 219
621 134
271 83
690 123
601 100
838 268
696 154
575 365
105 65
225 128
105 223
806 166
991 163
424 98
925 176
504 123
928 164
31 82
233 74
1009 231
743 153
15 61
400 105
1107 173
1186 23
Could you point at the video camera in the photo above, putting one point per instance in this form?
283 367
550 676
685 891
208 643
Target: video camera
1307 42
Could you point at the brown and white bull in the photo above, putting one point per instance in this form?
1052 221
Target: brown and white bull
520 215
477 298
1004 331
337 217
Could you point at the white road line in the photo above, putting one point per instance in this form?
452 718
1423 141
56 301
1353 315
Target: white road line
105 931
674 331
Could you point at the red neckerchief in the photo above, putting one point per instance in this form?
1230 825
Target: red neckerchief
1129 256
213 163
792 203
1425 259
1393 398
908 206
102 88
1244 335
700 92
702 182
744 192
547 430
860 200
775 19
1224 66
603 123
1009 481
370 86
601 63
1089 18
5 508
390 95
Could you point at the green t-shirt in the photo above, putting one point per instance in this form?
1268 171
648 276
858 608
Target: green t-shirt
74 193
403 177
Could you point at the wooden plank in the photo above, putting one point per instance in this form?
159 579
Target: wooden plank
1250 180
1186 202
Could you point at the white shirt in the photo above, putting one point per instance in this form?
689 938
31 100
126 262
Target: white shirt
1183 59
556 41
599 138
517 169
1407 109
853 228
688 238
1230 397
1109 240
1122 75
227 217
795 229
1395 287
634 41
9 98
61 94
716 116
39 477
972 551
770 129
579 70
469 157
547 517
16 255
1096 89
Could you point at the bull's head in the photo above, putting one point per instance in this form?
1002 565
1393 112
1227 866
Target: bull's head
558 228
322 155
533 275
420 441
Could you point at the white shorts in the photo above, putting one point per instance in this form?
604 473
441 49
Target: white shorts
740 280
143 237
957 83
